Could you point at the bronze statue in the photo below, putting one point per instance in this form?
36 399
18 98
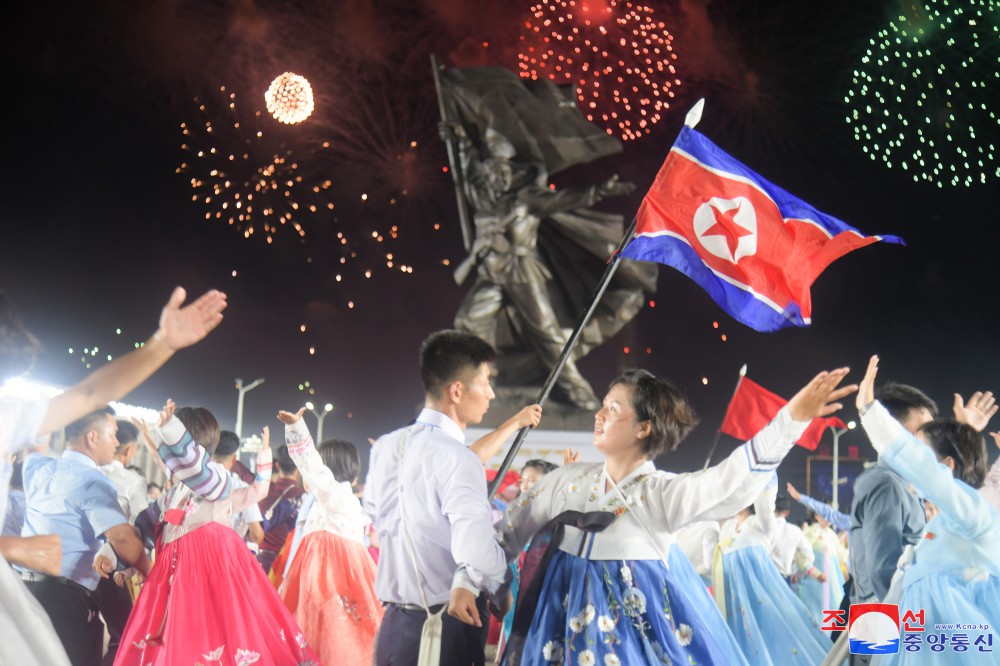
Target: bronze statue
537 252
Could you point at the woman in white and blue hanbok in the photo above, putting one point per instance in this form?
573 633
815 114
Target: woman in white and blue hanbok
617 589
954 576
771 624
829 556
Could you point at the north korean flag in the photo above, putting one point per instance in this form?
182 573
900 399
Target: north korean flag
755 248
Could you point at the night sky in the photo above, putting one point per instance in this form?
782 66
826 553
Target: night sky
98 226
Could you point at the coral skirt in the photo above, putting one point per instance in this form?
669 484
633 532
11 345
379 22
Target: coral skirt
208 601
330 590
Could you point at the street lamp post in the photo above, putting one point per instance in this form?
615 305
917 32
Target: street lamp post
327 408
837 432
239 402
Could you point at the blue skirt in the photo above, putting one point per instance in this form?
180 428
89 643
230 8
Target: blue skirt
950 599
769 622
632 612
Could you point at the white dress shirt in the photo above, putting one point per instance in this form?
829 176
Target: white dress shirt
131 487
790 549
448 517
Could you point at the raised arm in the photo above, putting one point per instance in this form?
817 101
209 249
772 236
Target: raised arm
187 460
916 462
840 521
487 446
179 327
333 495
722 490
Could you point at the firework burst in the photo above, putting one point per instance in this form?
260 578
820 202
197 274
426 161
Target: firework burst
918 100
616 53
245 176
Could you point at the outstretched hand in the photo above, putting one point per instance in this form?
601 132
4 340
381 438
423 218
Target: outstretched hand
996 438
184 326
819 397
613 187
289 418
792 492
866 389
977 412
167 413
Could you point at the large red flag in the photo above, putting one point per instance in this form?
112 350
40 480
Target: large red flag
754 406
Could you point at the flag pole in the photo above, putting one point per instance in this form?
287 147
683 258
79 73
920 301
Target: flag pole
715 442
456 173
609 272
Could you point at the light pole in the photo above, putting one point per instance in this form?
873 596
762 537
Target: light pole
239 402
837 432
327 408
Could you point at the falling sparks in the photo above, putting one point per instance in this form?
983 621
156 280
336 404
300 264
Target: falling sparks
616 53
918 101
244 177
289 98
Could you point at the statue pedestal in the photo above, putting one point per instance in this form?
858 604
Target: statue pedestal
562 426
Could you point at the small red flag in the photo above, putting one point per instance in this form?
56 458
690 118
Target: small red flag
754 406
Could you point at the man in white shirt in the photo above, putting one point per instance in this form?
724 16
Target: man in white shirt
114 600
441 508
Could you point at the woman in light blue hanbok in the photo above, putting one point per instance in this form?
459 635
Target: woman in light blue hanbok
771 624
613 588
954 577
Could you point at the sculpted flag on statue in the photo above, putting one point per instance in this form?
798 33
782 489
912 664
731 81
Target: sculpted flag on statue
755 248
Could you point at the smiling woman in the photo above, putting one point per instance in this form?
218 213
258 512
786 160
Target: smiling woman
608 530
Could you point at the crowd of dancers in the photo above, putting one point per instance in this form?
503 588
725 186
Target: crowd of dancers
301 561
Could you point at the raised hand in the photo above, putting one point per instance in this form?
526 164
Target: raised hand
996 438
167 413
819 397
184 326
529 416
570 456
289 418
977 412
792 492
866 389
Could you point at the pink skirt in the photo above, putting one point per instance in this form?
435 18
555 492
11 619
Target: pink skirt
330 590
208 601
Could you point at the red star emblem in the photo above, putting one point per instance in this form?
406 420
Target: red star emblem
725 225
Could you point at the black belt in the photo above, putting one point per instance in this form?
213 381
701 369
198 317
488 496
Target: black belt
412 607
35 577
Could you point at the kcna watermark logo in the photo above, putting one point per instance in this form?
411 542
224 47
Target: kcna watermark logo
875 629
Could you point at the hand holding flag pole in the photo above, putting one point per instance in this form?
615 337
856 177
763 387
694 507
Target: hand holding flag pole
609 273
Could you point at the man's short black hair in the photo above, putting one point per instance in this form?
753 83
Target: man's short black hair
82 426
781 503
127 432
901 399
284 461
448 356
229 443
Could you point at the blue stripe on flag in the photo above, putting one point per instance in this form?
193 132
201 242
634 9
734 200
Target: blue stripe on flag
701 148
741 304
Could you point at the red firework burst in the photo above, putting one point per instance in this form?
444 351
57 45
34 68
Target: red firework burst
616 53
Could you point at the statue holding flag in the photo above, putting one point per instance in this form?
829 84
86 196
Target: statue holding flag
537 252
